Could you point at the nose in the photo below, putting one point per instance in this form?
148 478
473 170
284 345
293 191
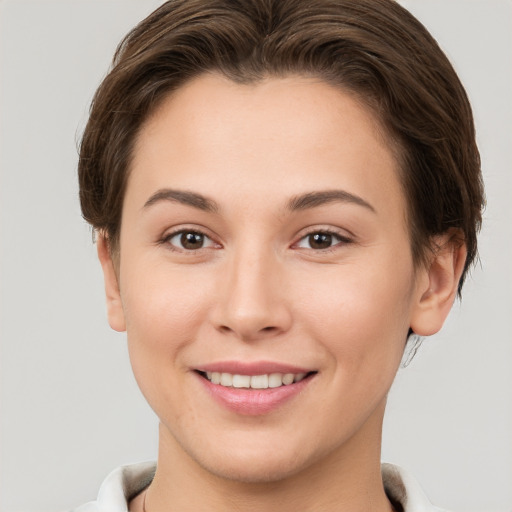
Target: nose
252 300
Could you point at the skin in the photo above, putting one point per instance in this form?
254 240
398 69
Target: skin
258 290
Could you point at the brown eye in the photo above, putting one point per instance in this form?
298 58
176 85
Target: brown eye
192 240
189 240
320 240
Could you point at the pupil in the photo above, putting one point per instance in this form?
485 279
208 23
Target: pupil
320 241
192 240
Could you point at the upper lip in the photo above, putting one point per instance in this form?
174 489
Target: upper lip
252 368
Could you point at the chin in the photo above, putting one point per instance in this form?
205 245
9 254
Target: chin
259 462
254 471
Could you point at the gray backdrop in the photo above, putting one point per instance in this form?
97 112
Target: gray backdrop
70 410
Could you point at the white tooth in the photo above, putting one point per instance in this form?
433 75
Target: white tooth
259 381
209 375
216 377
288 378
298 377
226 379
275 380
241 381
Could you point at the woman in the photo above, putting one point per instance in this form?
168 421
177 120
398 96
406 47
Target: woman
284 193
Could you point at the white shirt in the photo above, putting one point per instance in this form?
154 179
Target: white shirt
126 482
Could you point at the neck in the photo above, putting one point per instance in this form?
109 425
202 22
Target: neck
347 479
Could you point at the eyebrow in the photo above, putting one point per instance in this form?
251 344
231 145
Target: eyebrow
300 202
313 199
184 197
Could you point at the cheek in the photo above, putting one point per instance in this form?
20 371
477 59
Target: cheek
360 312
159 297
163 312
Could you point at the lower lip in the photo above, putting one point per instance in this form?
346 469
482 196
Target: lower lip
253 402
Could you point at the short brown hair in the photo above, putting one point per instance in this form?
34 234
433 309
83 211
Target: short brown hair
373 48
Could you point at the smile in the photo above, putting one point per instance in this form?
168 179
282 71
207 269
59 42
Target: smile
272 380
254 388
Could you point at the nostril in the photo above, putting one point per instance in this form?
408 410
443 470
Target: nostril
248 333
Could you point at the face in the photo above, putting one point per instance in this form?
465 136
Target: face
266 281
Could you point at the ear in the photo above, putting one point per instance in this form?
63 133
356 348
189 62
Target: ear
115 312
438 284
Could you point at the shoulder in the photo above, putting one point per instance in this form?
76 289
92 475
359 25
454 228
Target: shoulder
404 490
119 487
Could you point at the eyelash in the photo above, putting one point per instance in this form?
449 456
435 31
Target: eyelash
341 240
168 237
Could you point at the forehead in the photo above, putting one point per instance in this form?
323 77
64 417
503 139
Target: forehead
287 135
212 104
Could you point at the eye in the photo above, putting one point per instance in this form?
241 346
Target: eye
189 240
321 240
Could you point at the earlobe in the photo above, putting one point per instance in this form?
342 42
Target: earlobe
115 312
438 287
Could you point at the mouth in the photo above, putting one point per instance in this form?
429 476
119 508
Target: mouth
249 391
262 381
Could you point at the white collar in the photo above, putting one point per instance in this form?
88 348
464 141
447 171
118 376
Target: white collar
403 488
